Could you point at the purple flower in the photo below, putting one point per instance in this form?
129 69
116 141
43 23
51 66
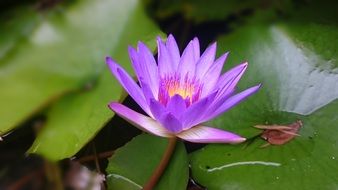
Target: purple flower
180 92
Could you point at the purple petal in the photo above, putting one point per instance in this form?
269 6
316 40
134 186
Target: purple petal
164 61
193 113
196 46
128 84
147 92
171 123
202 134
134 58
232 101
212 75
157 109
148 68
219 100
188 62
232 76
226 85
140 121
176 105
173 51
206 60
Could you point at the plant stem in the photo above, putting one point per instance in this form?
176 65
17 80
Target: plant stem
97 165
162 165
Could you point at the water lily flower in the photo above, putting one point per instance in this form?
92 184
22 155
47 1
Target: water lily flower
180 92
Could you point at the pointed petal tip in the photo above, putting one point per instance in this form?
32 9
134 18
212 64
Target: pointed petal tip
159 39
131 48
213 46
223 57
111 63
195 39
238 140
191 43
171 40
244 64
226 54
109 59
143 48
140 44
159 43
113 105
256 88
170 36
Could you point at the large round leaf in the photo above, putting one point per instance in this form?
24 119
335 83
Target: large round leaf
296 63
77 117
64 52
132 165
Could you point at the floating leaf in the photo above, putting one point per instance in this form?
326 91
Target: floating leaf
132 165
296 62
64 53
77 117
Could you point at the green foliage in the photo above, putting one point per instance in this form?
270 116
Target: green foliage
307 162
296 64
79 116
16 25
87 112
65 54
214 10
132 165
200 10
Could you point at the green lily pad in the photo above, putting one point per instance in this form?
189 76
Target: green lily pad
15 26
297 64
77 117
132 165
64 53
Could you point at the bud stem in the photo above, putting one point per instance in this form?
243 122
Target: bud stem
162 165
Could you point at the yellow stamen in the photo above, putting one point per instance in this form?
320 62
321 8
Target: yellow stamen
185 90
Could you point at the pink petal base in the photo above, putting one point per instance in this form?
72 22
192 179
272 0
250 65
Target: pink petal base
203 134
197 134
142 122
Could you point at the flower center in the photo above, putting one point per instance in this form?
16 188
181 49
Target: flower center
184 90
188 89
